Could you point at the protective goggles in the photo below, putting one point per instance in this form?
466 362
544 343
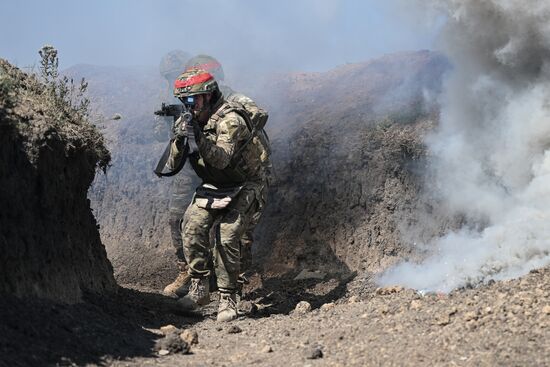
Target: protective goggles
189 101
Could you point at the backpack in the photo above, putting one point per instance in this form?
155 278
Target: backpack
256 119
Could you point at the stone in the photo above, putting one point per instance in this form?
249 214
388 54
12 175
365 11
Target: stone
307 274
546 310
315 353
163 352
165 330
173 344
234 329
302 307
328 306
189 336
247 308
389 290
443 319
470 315
415 304
267 349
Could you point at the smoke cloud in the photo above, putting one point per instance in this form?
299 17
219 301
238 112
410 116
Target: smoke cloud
491 151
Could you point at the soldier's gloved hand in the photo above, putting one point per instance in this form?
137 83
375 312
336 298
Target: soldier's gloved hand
179 129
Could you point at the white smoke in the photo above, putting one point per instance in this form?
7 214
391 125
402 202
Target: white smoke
491 151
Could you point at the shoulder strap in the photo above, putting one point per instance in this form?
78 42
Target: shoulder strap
230 106
236 107
164 158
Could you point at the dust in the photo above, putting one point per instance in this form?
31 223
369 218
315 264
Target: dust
491 154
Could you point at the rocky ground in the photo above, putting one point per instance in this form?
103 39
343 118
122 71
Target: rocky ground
395 329
351 323
500 324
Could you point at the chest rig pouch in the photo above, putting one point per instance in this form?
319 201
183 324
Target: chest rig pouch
211 197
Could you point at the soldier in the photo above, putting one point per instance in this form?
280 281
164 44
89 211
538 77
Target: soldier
210 64
225 152
170 67
177 206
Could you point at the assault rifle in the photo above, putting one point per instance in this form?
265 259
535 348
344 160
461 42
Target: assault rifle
181 130
173 110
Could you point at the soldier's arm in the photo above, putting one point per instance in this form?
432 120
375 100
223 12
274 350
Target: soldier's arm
230 131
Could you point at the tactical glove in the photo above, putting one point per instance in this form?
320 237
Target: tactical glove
179 129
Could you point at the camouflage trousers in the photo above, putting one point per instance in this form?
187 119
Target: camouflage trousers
248 237
229 225
182 192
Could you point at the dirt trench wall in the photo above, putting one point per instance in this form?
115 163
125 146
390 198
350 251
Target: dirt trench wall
49 241
350 163
343 212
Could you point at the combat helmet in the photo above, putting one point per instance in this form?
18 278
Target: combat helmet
173 63
207 63
194 81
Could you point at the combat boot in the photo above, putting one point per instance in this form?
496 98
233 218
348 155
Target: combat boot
227 309
198 295
179 287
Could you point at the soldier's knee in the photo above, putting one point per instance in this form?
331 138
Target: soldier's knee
230 235
195 229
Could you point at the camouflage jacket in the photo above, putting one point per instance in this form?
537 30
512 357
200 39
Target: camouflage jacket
224 158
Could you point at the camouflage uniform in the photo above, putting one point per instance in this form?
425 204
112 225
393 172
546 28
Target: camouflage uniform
220 162
180 198
248 237
170 67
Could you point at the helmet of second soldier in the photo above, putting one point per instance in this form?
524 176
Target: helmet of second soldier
207 63
194 81
173 63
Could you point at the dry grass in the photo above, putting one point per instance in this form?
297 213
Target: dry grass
40 107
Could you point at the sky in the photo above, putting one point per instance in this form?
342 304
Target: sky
282 35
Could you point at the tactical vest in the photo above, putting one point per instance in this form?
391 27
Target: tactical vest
250 157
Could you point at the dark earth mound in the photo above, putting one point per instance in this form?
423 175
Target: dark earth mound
49 242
